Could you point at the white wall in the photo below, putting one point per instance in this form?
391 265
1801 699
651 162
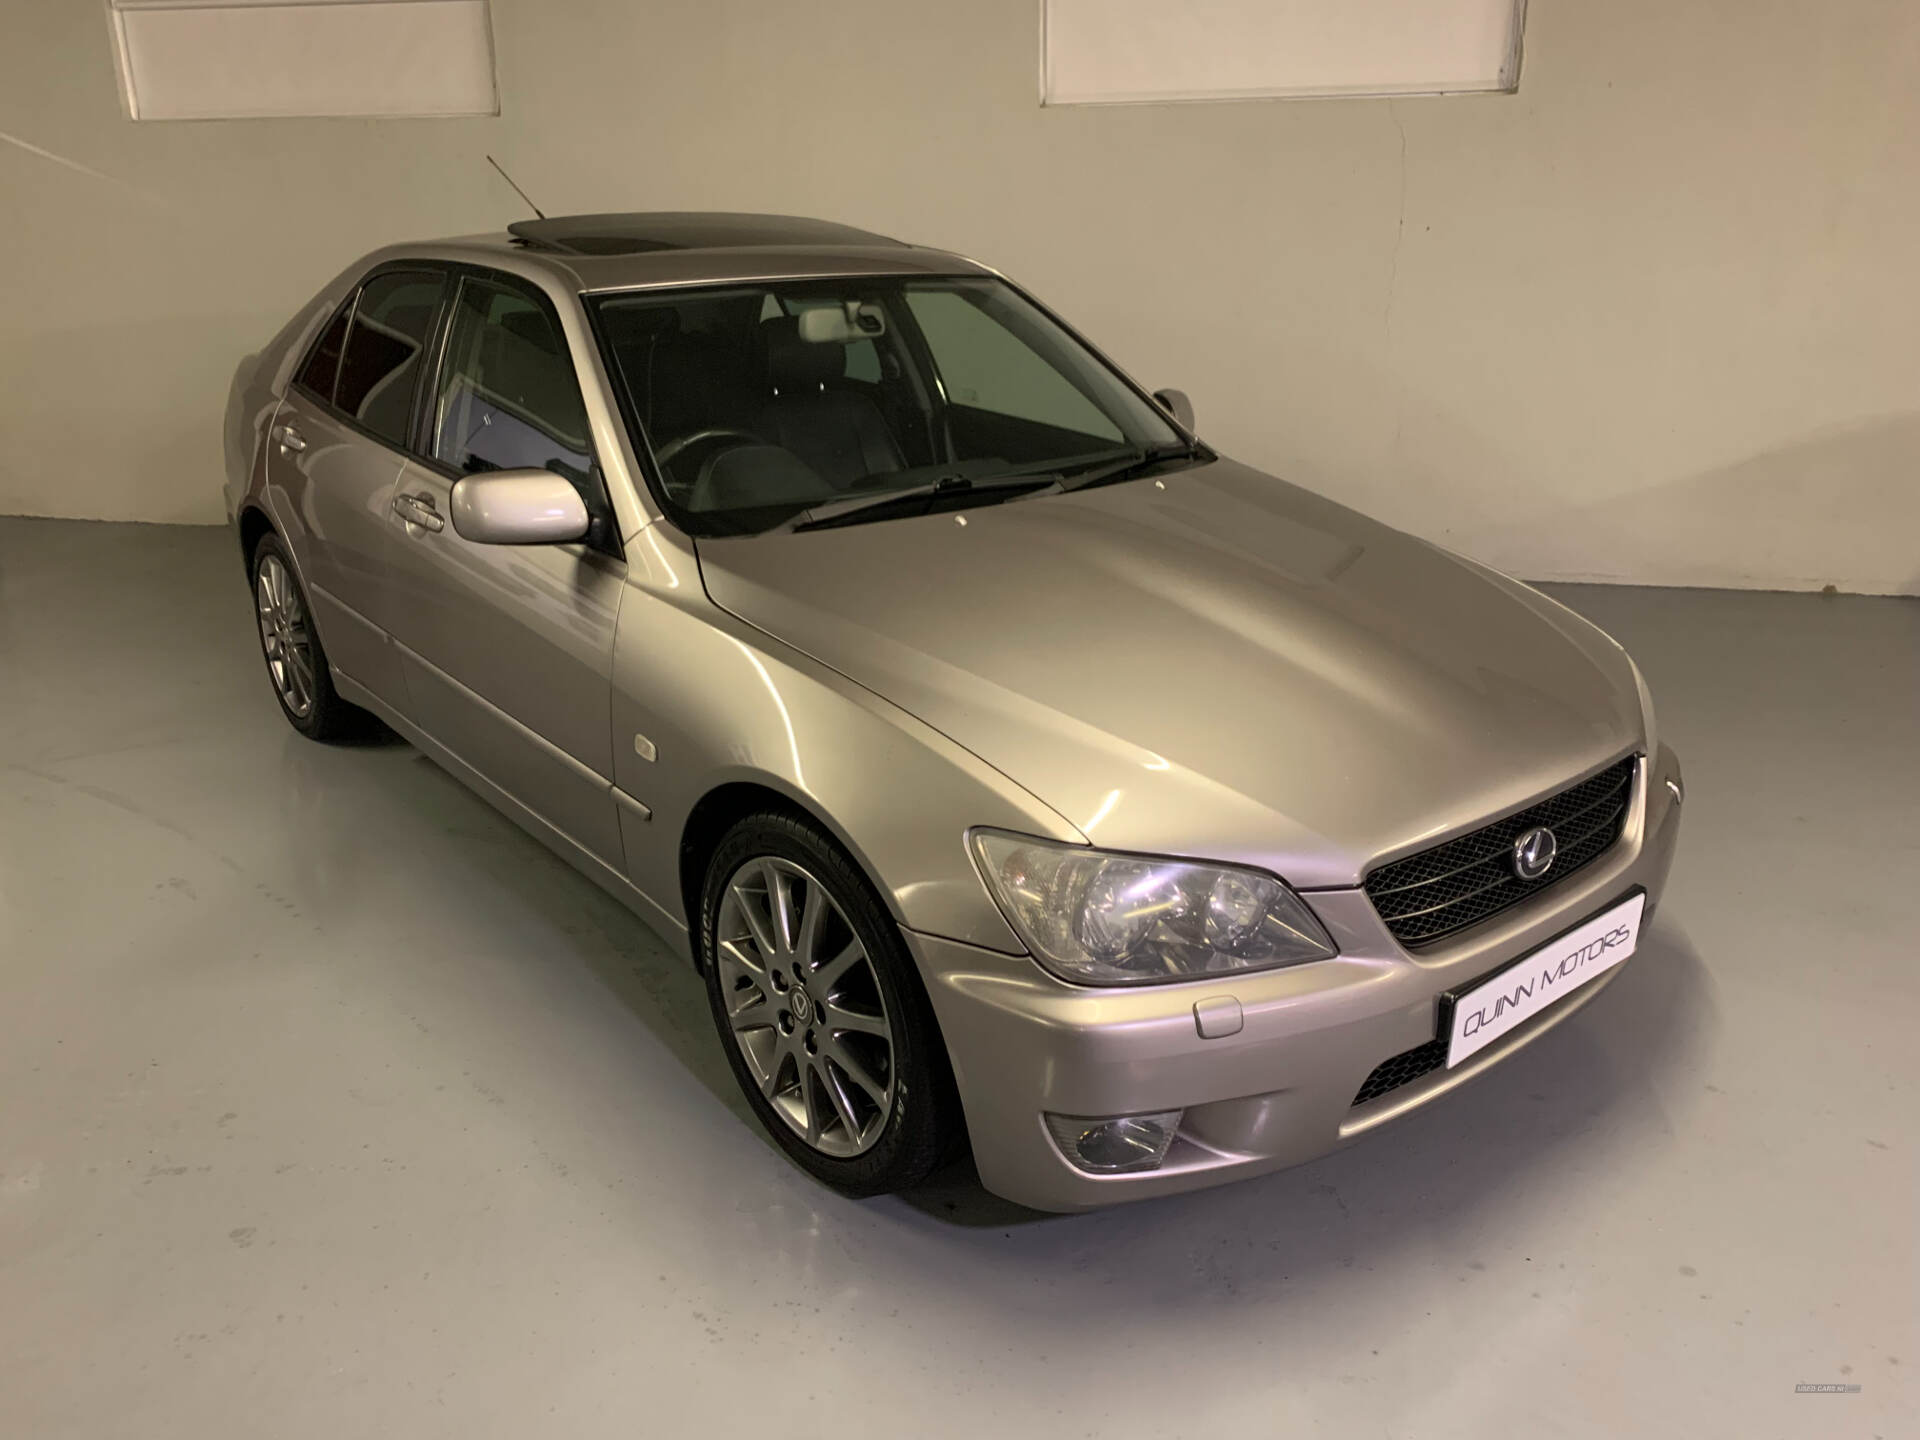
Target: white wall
1655 318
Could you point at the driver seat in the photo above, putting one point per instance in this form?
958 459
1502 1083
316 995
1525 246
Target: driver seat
841 434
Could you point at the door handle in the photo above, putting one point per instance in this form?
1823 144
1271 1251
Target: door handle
418 510
289 438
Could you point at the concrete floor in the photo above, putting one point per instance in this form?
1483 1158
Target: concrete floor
332 1105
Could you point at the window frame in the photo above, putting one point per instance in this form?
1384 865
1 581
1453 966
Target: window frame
641 443
428 353
603 535
343 311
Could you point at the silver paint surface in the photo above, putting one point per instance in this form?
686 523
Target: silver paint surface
1228 668
1213 664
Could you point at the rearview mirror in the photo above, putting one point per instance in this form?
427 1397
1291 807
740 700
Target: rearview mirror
518 507
1176 404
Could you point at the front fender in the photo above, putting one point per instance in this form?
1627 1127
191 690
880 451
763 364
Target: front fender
717 702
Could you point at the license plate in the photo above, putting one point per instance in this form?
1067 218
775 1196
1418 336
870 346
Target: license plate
1558 968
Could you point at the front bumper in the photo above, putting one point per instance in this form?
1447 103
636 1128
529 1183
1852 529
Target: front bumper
1279 1091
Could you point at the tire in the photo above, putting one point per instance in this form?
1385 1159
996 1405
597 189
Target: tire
797 1017
296 662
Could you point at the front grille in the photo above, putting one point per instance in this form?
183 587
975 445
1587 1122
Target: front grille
1403 1069
1428 896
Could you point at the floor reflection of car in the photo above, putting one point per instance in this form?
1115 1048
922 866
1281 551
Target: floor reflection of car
1018 772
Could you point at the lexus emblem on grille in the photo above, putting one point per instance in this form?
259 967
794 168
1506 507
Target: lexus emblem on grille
1533 853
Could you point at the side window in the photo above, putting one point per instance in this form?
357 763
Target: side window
508 397
381 361
985 365
323 365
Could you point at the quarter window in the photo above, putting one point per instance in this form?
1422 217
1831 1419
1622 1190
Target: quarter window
323 365
381 361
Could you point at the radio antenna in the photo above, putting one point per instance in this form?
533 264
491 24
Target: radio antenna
516 189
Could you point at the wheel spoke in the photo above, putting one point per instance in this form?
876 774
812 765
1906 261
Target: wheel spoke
839 1017
841 1105
780 906
859 1074
829 974
756 923
732 953
807 1098
753 1014
812 921
770 1083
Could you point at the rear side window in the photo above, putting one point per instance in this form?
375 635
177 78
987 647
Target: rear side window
381 361
508 396
323 365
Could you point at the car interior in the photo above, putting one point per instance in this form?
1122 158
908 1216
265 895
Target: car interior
754 399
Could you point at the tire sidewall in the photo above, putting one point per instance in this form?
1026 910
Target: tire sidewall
917 1132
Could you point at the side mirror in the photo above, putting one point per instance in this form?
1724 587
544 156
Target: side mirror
518 507
1176 404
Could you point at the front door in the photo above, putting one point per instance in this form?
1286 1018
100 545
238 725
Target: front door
507 650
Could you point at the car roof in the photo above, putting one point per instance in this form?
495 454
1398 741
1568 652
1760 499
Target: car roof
640 249
640 233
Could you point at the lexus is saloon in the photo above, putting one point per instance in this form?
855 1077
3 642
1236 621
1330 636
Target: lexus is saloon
1018 772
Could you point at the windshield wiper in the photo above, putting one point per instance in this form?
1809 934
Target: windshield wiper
916 499
1133 462
1039 479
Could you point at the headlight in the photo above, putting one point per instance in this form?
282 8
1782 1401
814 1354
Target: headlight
1646 708
1102 919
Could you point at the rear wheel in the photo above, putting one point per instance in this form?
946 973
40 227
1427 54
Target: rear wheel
821 1012
296 663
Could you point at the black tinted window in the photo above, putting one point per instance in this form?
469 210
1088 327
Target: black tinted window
761 401
508 397
324 363
382 357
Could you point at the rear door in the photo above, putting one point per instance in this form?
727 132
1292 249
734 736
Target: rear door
337 446
507 650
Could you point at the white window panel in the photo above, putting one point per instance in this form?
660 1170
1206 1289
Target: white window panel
1117 51
192 60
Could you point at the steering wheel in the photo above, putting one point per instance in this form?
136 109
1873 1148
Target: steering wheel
667 453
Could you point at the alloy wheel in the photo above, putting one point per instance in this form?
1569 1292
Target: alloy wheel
285 636
805 1007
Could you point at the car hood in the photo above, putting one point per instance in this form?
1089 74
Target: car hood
1215 664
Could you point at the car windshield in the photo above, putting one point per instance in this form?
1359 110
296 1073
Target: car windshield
768 401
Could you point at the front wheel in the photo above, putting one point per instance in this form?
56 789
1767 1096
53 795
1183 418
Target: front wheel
822 1015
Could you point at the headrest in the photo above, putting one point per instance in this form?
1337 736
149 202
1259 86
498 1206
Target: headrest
748 476
794 363
532 327
630 324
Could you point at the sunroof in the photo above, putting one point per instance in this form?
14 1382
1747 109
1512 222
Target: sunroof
682 230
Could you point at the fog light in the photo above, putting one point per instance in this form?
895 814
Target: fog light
1113 1147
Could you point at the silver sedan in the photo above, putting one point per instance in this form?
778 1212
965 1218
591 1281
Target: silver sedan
1017 771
